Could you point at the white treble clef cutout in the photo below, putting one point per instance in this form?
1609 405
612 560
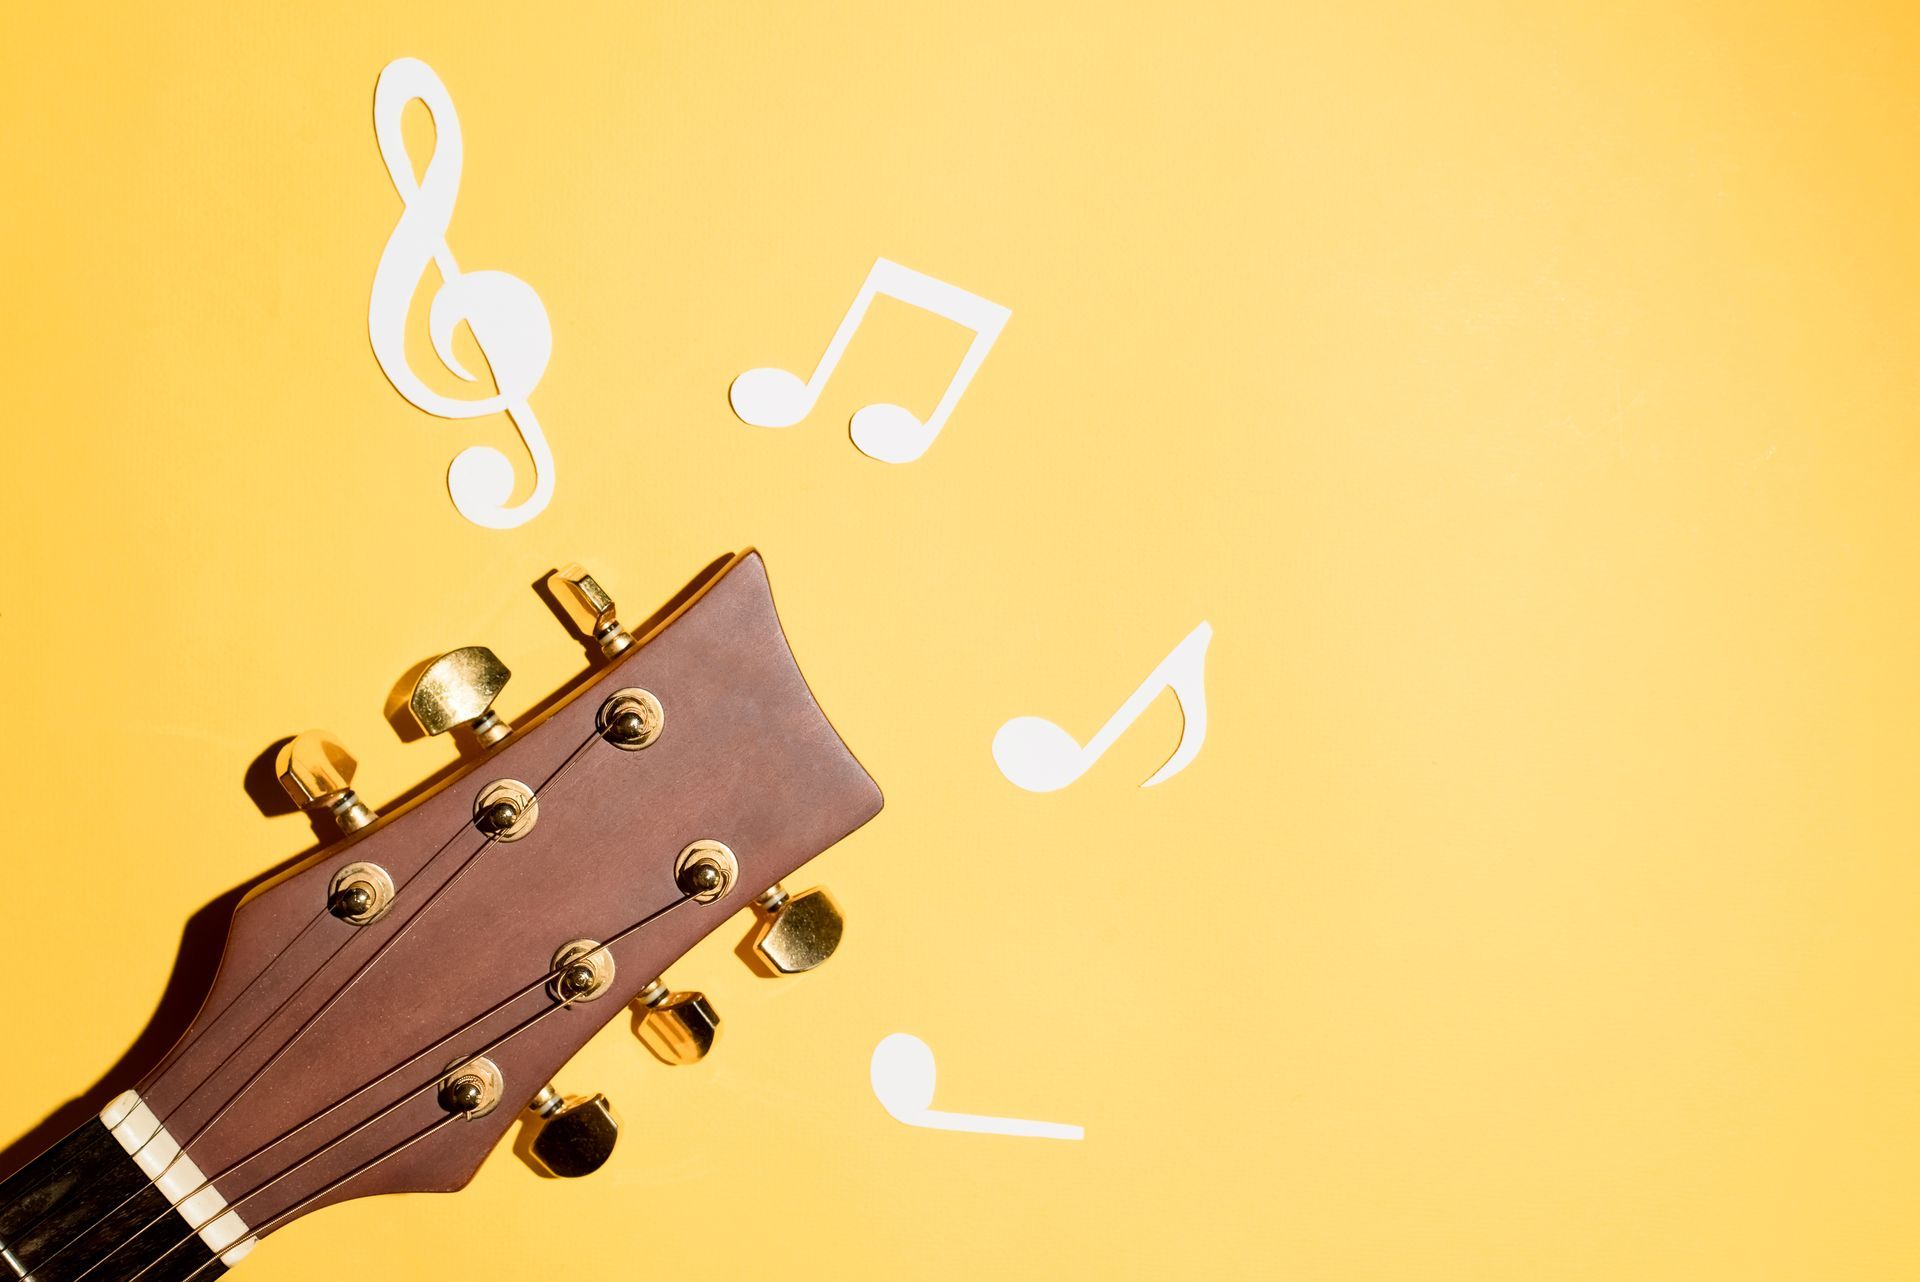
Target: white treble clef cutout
1035 754
505 315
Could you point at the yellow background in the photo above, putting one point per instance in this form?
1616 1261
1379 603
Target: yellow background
1526 396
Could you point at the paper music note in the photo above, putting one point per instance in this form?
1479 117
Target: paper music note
771 397
902 1073
505 315
1039 756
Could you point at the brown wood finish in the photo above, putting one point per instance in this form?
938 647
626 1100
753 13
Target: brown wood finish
746 757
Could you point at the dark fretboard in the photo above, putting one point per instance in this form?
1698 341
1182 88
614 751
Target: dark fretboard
85 1207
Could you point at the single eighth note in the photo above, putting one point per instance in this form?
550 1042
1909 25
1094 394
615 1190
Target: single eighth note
902 1074
772 397
1035 754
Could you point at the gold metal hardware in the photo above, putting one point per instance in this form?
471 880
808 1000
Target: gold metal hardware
317 771
631 718
583 971
360 893
795 933
691 875
589 607
679 1028
506 810
473 1088
576 1137
458 689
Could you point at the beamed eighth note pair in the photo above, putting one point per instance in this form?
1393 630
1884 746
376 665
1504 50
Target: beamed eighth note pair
385 1009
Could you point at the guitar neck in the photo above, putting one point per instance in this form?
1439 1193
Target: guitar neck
87 1207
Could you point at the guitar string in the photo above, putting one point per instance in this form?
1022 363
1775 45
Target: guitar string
491 841
405 926
477 1020
180 1052
327 1188
389 943
185 1047
284 1002
160 1128
194 1230
172 1057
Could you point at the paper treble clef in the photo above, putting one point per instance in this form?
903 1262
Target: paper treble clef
505 315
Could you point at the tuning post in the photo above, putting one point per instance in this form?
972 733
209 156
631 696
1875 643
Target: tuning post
705 870
458 689
589 608
631 718
317 772
576 1137
506 810
582 971
472 1089
360 893
679 1028
795 933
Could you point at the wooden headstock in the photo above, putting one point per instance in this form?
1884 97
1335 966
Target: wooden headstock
325 1044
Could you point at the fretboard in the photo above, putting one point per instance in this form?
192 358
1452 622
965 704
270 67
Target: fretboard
86 1207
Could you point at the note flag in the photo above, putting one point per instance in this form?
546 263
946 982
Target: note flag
505 315
771 397
902 1073
1039 756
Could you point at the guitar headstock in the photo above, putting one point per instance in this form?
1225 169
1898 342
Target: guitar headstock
385 1010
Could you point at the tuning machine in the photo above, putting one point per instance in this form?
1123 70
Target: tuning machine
795 933
589 608
575 1136
458 689
317 771
679 1028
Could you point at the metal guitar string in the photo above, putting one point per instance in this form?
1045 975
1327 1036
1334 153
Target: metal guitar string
160 1128
356 1128
405 926
285 1001
361 1169
477 1020
180 1051
465 865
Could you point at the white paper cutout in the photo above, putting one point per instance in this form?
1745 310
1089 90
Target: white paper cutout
1039 756
902 1073
505 315
771 397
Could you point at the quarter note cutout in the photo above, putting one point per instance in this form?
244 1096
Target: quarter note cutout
770 397
902 1073
505 315
1039 756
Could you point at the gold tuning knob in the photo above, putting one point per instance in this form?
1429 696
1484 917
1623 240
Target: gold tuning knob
796 932
458 689
590 608
677 1027
317 771
576 1137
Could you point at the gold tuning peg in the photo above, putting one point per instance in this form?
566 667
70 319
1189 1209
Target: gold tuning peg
677 1027
590 608
796 932
458 689
576 1137
317 771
